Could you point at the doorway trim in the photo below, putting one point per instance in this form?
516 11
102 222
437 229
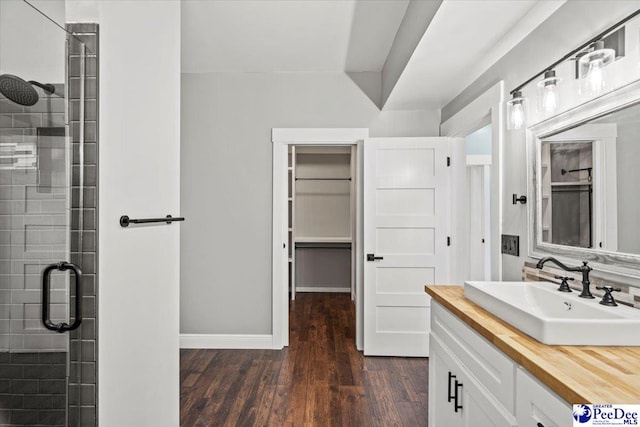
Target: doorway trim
488 108
281 139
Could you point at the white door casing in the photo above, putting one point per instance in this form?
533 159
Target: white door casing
407 222
281 139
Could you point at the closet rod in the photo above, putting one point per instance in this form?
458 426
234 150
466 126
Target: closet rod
323 179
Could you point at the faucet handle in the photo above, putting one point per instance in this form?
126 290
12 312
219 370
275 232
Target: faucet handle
607 298
564 286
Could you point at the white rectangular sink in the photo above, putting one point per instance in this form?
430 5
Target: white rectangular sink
556 318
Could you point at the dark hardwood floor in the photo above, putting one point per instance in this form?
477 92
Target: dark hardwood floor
319 380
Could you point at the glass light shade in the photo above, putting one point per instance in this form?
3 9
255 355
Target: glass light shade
548 98
517 112
591 69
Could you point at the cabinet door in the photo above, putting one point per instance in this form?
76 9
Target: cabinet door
538 406
489 366
441 409
480 408
476 406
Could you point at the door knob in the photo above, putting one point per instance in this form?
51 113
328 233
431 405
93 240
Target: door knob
372 257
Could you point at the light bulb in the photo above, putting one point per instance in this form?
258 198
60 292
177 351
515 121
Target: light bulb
591 68
517 115
516 111
594 78
550 99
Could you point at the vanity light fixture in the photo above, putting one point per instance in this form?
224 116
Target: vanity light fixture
517 111
591 58
548 92
591 68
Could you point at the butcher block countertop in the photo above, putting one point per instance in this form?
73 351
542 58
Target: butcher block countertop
578 374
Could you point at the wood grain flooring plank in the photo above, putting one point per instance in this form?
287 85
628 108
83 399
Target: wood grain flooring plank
321 403
383 400
410 415
279 406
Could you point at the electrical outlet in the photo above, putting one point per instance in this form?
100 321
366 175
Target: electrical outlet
511 245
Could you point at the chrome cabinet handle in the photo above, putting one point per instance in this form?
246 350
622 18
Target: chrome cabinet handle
46 300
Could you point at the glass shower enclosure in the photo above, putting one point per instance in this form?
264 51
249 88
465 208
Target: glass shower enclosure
41 203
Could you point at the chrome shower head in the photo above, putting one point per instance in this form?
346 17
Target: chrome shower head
20 91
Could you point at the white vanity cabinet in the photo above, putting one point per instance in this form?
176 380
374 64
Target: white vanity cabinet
537 406
457 398
472 383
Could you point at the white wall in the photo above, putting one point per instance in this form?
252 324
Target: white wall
31 46
573 24
139 151
226 182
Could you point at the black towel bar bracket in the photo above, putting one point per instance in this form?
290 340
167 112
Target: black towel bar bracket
125 220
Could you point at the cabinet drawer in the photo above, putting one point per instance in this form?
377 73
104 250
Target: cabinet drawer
538 405
492 369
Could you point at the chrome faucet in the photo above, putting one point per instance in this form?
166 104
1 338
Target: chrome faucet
584 269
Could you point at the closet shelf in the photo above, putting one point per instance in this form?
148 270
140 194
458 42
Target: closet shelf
570 184
300 239
323 179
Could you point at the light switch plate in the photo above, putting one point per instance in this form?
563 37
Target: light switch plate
511 245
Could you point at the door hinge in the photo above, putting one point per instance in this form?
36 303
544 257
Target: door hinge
448 241
448 161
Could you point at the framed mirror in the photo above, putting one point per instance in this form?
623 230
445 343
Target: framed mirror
584 182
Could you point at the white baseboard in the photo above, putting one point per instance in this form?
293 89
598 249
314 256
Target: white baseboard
323 289
226 341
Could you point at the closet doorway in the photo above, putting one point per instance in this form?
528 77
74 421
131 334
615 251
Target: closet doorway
317 204
321 219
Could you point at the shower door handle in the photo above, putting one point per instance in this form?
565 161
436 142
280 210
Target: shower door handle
46 294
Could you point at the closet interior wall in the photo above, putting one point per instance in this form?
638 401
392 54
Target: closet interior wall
321 219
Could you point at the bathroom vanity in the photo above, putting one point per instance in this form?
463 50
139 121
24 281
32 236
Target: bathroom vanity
484 372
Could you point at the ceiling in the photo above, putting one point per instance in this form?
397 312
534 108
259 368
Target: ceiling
463 39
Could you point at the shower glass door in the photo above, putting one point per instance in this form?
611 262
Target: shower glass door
38 216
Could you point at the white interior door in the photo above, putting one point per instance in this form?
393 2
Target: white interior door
407 207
